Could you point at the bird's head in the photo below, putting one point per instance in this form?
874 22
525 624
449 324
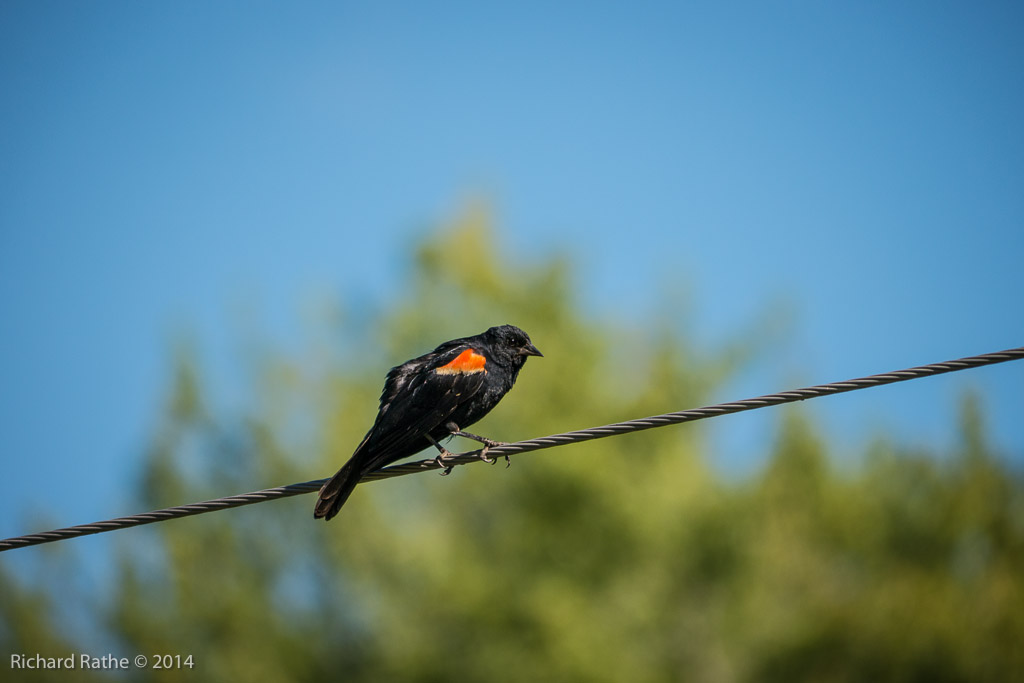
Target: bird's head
511 344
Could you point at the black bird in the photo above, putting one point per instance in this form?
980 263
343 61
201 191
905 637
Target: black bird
430 398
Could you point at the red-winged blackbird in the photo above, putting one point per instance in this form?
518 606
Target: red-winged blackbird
430 398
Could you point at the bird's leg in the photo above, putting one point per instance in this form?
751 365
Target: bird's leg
488 443
444 455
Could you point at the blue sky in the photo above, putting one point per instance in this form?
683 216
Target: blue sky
162 162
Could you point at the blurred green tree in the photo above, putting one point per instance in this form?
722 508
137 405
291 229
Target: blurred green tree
636 562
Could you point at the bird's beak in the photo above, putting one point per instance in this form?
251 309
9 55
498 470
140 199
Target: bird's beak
530 350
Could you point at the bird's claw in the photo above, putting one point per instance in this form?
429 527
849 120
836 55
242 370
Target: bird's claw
488 444
443 458
442 462
490 461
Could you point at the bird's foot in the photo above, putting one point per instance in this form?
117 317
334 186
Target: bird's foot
489 443
482 454
489 460
441 461
443 454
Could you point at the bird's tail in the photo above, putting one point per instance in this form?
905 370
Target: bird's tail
335 492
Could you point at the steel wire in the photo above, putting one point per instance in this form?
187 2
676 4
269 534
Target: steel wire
520 447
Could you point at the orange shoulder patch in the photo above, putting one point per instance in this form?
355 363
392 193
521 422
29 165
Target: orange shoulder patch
467 361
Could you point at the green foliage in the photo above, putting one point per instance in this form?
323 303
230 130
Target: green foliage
626 559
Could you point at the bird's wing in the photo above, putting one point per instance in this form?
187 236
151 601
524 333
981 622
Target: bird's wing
418 397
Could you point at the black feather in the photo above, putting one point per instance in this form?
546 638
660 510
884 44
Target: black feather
418 401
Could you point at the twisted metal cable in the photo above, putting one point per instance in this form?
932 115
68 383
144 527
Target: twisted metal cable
523 446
